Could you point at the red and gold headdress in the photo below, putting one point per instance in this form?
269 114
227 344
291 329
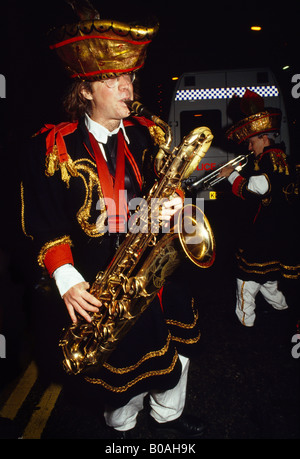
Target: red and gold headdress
96 49
258 121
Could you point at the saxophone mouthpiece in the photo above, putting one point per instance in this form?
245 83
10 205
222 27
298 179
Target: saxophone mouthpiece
129 103
139 109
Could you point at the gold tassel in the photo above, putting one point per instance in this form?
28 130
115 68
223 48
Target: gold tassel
273 157
52 162
256 166
287 172
67 168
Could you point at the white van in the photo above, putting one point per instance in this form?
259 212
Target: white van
203 98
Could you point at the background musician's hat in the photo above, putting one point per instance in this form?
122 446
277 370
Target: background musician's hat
95 49
258 120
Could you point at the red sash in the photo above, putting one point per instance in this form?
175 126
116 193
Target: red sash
113 189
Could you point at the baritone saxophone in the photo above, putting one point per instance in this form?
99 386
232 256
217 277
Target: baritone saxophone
145 258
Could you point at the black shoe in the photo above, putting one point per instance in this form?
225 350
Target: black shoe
186 426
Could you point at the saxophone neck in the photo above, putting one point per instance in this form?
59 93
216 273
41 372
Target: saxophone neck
165 147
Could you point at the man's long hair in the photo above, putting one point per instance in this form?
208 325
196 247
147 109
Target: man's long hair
74 103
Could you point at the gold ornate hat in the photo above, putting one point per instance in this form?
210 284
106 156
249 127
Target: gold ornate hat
258 121
96 49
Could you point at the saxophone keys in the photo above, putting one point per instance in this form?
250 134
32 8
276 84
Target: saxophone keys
104 333
112 308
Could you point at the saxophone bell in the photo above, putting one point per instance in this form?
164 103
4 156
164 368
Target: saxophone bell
196 236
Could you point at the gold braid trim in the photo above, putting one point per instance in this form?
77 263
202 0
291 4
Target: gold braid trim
285 275
23 212
183 325
240 188
91 183
187 341
49 245
124 388
186 327
150 355
267 265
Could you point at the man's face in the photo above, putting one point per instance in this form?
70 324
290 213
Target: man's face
108 99
257 144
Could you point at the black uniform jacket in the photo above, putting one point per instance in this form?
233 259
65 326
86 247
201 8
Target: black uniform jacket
60 195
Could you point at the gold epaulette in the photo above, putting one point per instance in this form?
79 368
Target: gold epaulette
57 156
278 159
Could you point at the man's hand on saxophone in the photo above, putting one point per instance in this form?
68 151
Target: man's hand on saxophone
166 208
78 299
170 207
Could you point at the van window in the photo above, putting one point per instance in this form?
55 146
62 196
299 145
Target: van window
189 120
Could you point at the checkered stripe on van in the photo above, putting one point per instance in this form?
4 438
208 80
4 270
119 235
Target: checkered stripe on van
224 93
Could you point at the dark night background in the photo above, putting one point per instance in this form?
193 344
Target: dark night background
193 36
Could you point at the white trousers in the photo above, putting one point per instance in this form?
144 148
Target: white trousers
245 299
165 406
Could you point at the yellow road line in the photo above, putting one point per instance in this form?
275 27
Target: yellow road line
39 418
19 394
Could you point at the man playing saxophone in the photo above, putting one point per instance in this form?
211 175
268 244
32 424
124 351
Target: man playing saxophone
69 168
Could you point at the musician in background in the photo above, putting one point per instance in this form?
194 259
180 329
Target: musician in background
268 247
68 170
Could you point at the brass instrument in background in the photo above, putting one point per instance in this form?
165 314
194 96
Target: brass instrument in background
213 178
145 258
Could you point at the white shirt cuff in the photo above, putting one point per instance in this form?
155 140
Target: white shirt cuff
257 183
233 176
66 276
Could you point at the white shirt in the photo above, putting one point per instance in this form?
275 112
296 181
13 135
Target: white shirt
66 276
101 133
257 183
